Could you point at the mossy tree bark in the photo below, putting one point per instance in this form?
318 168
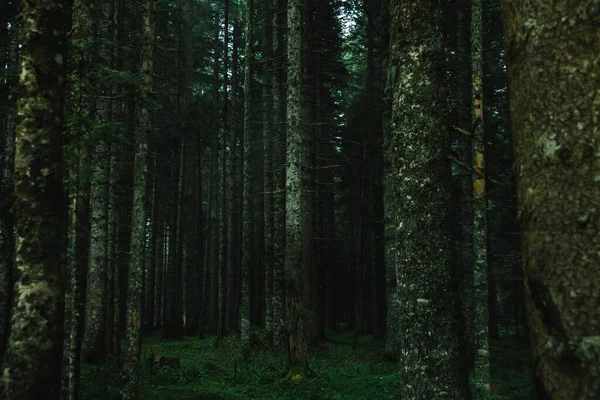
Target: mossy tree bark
32 365
131 362
416 206
553 59
295 267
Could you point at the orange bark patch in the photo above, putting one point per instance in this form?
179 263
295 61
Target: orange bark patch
479 162
477 103
479 187
134 318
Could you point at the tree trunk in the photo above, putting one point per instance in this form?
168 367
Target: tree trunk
295 266
225 215
150 292
480 275
94 344
279 172
32 364
268 171
417 235
173 322
11 53
247 255
553 54
131 364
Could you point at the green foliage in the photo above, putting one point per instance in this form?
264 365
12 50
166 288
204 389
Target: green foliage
214 369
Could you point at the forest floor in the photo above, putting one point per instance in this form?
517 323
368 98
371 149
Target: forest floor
212 370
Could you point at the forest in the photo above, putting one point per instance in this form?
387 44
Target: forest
300 199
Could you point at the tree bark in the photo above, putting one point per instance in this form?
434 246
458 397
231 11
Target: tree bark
7 158
268 171
32 364
247 255
416 206
279 172
295 266
553 56
480 239
131 363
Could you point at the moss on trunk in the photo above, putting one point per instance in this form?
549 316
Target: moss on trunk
553 58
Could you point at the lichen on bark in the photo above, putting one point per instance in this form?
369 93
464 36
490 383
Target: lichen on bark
553 61
32 364
416 207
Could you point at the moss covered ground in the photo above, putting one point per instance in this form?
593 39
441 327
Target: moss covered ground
211 370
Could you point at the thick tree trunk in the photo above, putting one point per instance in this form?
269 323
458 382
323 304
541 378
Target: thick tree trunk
553 56
295 266
416 206
32 364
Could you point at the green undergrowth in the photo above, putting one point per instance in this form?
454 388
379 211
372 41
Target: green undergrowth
211 370
511 369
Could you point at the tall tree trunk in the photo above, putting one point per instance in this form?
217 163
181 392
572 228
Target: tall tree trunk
32 364
11 60
480 276
295 266
150 289
247 255
131 365
553 55
173 321
268 171
417 236
94 345
233 266
279 172
465 256
225 215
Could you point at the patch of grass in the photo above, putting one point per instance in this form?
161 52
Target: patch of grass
214 369
211 369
